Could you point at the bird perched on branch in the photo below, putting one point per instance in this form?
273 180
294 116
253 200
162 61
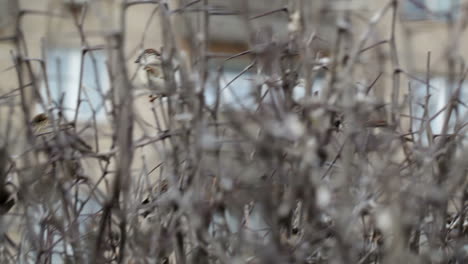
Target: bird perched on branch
151 72
62 146
60 136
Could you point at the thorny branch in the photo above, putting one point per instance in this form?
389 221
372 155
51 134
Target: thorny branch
310 142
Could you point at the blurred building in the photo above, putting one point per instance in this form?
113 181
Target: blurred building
50 31
59 32
426 30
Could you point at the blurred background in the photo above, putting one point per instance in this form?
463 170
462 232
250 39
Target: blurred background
49 31
397 64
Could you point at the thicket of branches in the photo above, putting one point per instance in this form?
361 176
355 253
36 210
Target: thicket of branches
342 175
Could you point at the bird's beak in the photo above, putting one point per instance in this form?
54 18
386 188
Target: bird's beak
137 60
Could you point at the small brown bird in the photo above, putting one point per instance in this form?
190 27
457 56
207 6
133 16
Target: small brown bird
150 72
61 137
60 144
39 122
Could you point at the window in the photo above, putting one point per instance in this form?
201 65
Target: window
429 9
317 85
439 96
237 94
240 93
63 73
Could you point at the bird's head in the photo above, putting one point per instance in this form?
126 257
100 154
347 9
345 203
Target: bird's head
41 123
40 118
149 56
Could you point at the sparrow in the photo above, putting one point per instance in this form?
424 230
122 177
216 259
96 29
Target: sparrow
62 136
41 125
62 139
150 71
